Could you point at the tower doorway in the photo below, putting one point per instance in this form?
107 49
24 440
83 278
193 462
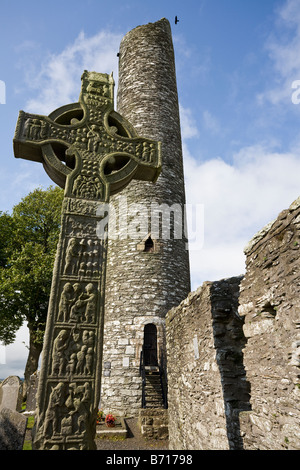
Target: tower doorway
150 345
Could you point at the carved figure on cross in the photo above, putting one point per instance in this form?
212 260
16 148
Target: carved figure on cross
87 147
92 152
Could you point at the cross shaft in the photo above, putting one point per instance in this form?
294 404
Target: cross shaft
91 151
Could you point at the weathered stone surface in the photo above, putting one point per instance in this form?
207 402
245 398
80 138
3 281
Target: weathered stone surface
206 377
32 392
12 429
11 390
102 152
270 305
143 285
154 423
234 351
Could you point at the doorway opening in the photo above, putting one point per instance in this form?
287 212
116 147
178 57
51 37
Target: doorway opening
150 345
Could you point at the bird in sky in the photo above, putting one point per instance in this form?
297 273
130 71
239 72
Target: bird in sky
176 20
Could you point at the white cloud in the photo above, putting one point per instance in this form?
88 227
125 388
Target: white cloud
57 82
187 122
283 51
14 356
239 199
23 178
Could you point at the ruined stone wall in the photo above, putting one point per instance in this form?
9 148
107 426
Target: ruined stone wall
234 351
142 286
207 386
270 305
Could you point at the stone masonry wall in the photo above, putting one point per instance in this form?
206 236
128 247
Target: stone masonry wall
206 377
142 286
270 305
234 351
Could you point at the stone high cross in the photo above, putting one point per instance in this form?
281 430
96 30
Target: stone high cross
102 154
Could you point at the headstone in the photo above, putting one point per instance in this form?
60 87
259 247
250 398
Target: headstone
11 393
12 429
102 154
31 395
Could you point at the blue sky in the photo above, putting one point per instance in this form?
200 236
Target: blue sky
236 61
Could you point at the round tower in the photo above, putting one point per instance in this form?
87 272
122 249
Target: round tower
148 260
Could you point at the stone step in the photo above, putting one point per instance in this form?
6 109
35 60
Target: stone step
154 404
151 369
152 379
153 391
149 407
153 387
153 400
153 396
154 382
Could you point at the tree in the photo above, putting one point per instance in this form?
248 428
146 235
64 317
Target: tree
27 252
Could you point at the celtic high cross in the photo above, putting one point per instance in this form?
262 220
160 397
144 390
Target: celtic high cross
91 151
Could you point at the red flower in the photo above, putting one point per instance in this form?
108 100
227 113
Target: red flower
110 419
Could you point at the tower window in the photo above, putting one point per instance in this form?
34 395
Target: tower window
149 245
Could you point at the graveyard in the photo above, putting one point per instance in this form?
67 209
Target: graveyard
17 420
132 357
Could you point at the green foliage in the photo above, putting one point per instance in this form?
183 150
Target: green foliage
27 445
6 234
27 251
37 218
30 422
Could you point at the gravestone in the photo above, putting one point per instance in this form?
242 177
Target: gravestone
12 429
11 393
92 152
32 391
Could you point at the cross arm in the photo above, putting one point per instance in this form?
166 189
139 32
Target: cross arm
86 147
41 139
25 147
138 159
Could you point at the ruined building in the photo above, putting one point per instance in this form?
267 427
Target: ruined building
234 351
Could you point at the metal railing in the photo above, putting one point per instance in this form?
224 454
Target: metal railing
143 375
163 391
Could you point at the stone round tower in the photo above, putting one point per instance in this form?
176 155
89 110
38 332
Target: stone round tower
148 262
